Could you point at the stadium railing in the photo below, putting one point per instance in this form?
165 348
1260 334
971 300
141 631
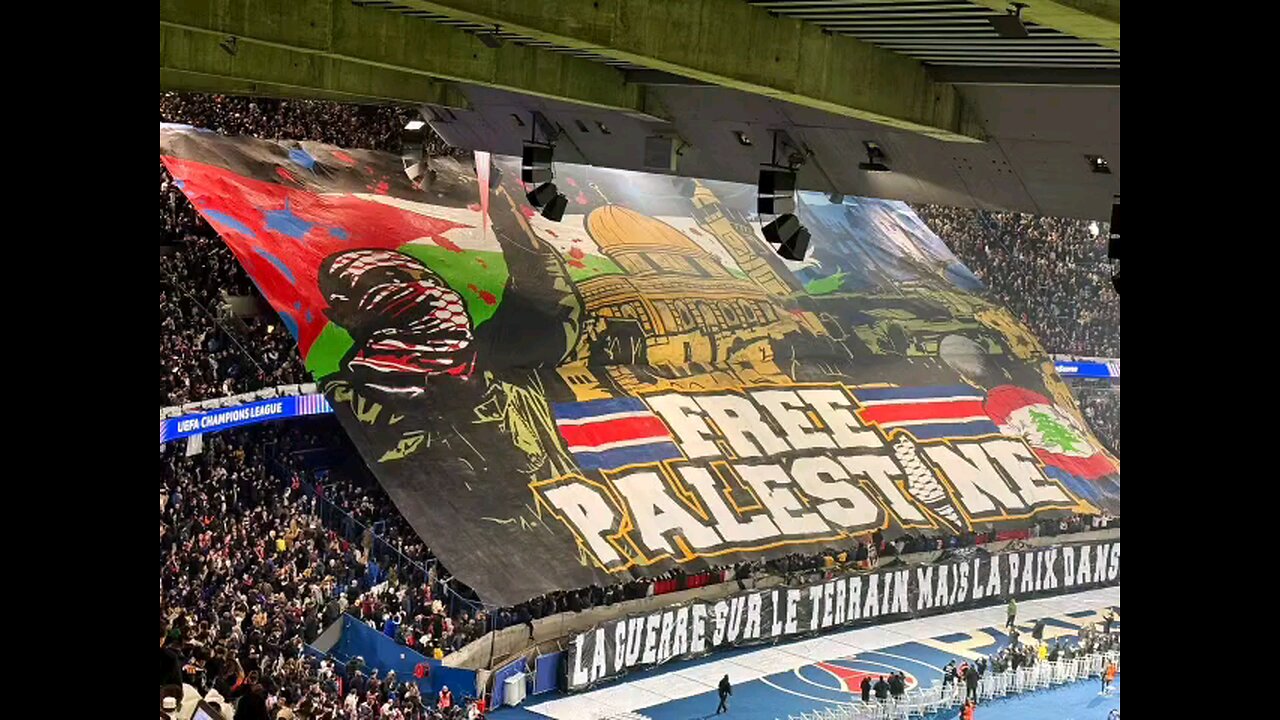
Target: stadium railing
382 550
514 640
921 702
174 411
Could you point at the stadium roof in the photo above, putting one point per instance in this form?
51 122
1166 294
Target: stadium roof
965 117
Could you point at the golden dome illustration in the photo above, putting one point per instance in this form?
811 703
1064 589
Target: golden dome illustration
620 229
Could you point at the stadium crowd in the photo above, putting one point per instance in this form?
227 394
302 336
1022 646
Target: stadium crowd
249 573
1051 272
371 127
259 555
205 350
1100 403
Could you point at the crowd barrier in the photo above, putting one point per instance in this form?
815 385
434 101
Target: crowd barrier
920 702
383 554
381 653
546 672
278 391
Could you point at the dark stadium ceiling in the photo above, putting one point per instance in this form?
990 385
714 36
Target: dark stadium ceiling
965 116
956 34
950 34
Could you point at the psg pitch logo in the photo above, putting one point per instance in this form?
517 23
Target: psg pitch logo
846 675
839 681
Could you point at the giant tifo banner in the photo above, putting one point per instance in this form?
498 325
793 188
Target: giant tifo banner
644 384
692 629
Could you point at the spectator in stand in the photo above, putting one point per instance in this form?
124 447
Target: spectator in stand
1053 273
258 556
1100 403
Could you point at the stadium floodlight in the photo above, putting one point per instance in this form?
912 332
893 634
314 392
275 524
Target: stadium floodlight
535 167
782 228
789 235
1010 24
542 195
875 158
555 208
413 147
535 163
775 190
796 246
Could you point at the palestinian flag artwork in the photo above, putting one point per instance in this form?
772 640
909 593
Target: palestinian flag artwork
643 385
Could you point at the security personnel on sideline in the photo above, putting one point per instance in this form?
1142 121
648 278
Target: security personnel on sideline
725 692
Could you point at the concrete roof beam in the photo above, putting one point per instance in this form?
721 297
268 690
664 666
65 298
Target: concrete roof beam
735 45
340 31
196 60
1097 21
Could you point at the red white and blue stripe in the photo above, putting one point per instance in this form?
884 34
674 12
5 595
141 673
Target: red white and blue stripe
605 434
928 413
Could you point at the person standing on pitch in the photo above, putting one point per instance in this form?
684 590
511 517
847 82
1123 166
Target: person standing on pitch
971 684
1038 631
725 692
1013 613
967 712
1107 619
1108 676
866 688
